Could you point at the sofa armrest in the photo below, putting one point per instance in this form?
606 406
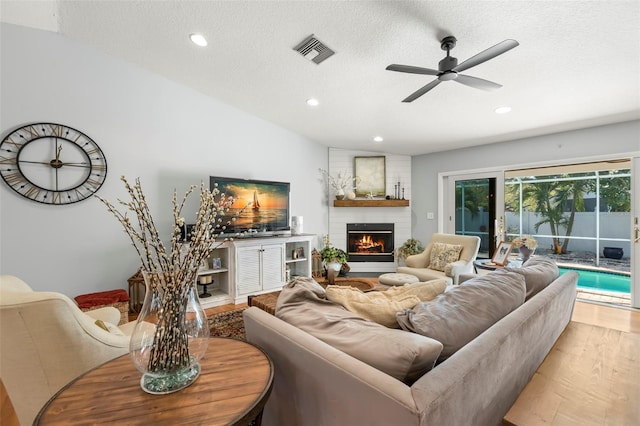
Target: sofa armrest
420 260
454 269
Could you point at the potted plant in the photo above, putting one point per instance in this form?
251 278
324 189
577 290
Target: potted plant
332 254
332 257
411 246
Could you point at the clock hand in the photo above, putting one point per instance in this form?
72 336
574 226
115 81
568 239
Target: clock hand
56 163
83 164
53 163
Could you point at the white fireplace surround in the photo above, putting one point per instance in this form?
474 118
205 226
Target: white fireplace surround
397 169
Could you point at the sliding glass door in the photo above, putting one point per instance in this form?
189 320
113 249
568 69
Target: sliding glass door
476 209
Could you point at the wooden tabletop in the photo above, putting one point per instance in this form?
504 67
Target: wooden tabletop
232 389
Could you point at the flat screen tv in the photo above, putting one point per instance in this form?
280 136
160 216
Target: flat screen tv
265 204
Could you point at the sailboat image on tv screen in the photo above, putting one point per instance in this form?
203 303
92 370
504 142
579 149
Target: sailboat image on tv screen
256 204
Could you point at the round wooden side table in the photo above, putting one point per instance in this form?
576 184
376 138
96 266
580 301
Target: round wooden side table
232 389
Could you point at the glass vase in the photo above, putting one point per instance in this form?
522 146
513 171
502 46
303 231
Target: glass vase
525 253
171 334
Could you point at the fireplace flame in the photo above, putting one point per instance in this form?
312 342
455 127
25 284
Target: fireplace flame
366 244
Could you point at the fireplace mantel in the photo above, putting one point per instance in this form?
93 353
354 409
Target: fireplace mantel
370 203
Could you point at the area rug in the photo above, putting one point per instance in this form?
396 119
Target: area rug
228 324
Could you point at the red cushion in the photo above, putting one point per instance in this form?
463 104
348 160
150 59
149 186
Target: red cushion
101 298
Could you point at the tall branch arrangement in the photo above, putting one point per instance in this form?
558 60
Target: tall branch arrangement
173 271
341 182
144 236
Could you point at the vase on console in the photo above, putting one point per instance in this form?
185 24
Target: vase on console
171 333
525 253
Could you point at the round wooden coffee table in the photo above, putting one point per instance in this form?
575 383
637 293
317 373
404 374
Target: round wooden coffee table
232 389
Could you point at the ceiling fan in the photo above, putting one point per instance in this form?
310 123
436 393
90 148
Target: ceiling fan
449 70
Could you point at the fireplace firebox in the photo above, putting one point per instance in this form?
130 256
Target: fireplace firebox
370 242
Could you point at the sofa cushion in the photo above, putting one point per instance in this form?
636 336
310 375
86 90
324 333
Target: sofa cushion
538 272
459 315
443 254
382 306
405 356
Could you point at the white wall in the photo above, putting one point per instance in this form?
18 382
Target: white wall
601 141
168 135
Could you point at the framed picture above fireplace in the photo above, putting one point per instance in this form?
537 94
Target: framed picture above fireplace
370 174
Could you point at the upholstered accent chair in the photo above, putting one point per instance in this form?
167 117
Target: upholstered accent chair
446 256
46 341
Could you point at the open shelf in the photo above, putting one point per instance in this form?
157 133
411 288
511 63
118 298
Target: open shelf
370 203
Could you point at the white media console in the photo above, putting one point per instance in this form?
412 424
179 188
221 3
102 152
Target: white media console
253 265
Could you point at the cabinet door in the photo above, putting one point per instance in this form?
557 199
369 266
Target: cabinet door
272 266
248 269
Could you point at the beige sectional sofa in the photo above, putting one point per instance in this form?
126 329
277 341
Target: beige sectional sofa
317 384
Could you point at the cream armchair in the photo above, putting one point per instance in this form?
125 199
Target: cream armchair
419 264
46 341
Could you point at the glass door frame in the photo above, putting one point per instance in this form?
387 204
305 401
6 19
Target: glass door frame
635 232
447 200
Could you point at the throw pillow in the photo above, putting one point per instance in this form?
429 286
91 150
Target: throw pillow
405 356
102 325
538 272
465 311
443 254
111 328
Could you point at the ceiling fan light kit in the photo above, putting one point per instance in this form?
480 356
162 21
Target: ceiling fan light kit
449 69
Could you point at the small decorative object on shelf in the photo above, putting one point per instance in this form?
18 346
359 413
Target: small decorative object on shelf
171 334
316 264
136 291
341 183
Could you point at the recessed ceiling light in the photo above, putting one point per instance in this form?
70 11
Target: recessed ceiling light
378 139
313 102
502 110
198 39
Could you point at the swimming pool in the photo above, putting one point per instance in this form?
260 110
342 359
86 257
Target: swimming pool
598 280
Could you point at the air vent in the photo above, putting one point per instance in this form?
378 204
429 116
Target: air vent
313 49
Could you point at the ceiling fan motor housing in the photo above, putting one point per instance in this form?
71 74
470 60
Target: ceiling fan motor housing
447 64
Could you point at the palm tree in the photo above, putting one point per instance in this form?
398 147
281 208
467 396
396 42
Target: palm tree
573 192
557 201
541 197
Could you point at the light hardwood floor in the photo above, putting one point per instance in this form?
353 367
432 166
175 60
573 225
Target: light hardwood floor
621 319
590 377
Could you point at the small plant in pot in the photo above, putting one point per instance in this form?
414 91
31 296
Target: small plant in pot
333 257
410 247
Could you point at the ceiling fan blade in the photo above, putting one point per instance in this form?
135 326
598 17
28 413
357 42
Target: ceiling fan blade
485 55
477 83
415 95
412 70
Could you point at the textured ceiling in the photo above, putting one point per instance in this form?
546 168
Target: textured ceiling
578 63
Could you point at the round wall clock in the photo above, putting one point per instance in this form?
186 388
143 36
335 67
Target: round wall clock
52 163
